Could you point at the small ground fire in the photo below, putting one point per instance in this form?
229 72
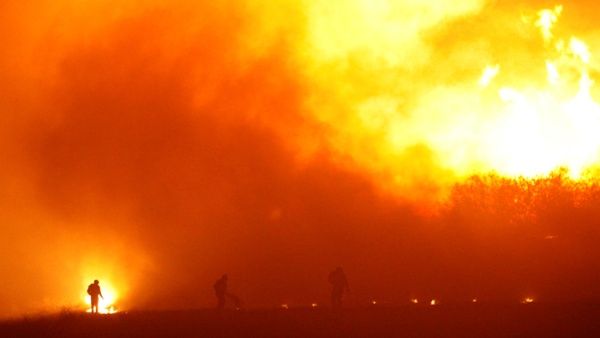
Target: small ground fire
106 304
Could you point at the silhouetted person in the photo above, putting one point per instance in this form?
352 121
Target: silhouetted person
339 284
222 294
221 291
94 291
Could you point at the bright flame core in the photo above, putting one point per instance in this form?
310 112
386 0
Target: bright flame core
547 18
527 113
541 129
106 305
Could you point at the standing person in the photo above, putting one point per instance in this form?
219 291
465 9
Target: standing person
94 291
221 291
339 284
222 294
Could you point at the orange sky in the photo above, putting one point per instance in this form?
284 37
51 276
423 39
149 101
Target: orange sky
155 145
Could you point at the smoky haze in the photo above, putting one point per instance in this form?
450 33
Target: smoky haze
155 146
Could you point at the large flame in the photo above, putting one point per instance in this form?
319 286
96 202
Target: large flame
538 118
543 128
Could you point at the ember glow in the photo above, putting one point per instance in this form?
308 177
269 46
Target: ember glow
446 148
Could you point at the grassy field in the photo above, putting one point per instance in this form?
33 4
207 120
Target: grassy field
466 320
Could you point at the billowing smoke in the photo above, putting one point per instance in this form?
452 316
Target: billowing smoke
156 145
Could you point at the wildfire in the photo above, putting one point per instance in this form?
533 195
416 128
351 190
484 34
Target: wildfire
539 129
547 18
122 122
489 73
503 119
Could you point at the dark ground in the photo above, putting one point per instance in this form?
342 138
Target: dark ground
466 320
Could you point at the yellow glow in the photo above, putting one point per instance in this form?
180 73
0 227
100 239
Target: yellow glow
414 301
539 129
106 305
546 20
115 280
433 302
580 49
553 74
381 28
489 73
527 120
528 300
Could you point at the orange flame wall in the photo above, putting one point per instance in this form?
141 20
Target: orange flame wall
155 145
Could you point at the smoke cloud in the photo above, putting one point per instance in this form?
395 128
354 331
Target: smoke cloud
156 145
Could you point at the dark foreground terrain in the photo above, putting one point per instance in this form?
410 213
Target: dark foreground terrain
467 320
